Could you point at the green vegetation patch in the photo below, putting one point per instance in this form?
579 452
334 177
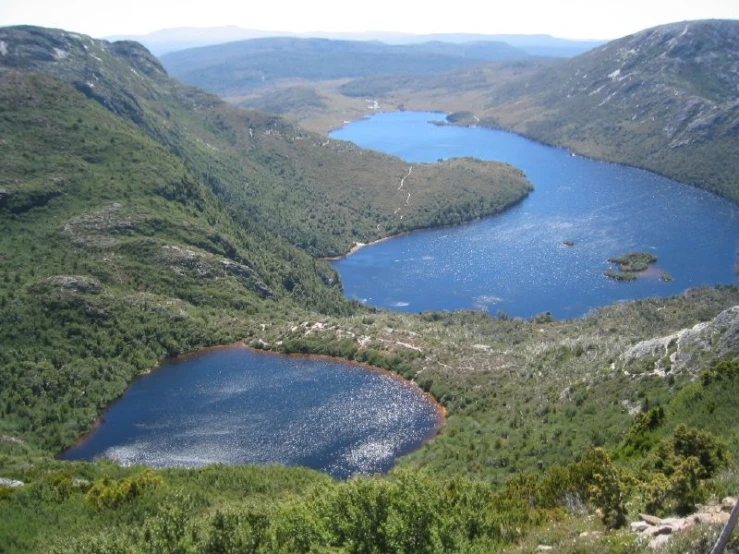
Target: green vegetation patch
630 265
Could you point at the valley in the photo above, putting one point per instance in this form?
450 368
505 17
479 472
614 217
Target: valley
659 100
141 219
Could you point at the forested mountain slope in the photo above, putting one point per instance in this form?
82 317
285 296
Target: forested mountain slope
321 196
666 99
141 216
115 255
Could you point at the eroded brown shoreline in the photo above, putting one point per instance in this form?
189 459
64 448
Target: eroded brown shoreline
441 412
440 409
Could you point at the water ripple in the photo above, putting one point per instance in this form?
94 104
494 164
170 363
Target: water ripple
519 257
235 406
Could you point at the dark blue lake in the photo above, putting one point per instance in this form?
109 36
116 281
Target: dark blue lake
236 406
516 262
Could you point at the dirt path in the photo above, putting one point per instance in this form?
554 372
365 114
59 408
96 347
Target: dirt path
402 181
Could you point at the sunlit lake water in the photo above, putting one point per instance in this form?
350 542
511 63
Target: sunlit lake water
517 261
236 406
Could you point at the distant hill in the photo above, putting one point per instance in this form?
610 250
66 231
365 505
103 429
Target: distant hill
239 67
535 45
180 38
666 99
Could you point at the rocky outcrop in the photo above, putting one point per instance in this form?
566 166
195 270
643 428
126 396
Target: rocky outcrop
11 483
196 263
678 352
657 531
76 283
21 197
108 73
234 268
140 58
99 229
184 261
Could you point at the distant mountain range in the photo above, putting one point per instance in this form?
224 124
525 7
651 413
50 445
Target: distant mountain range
238 67
180 38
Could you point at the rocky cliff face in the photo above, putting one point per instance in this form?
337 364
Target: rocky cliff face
686 349
113 74
684 75
26 47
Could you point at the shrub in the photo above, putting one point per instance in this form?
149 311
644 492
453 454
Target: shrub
674 474
686 486
108 493
599 482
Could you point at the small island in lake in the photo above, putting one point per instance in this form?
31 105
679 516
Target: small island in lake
630 265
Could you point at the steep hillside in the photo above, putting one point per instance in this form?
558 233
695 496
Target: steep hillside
145 216
238 67
114 255
666 99
320 195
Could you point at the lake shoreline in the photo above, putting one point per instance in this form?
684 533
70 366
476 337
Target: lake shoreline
601 159
360 245
570 150
517 259
437 405
439 409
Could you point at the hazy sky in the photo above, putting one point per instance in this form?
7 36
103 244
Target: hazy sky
565 18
